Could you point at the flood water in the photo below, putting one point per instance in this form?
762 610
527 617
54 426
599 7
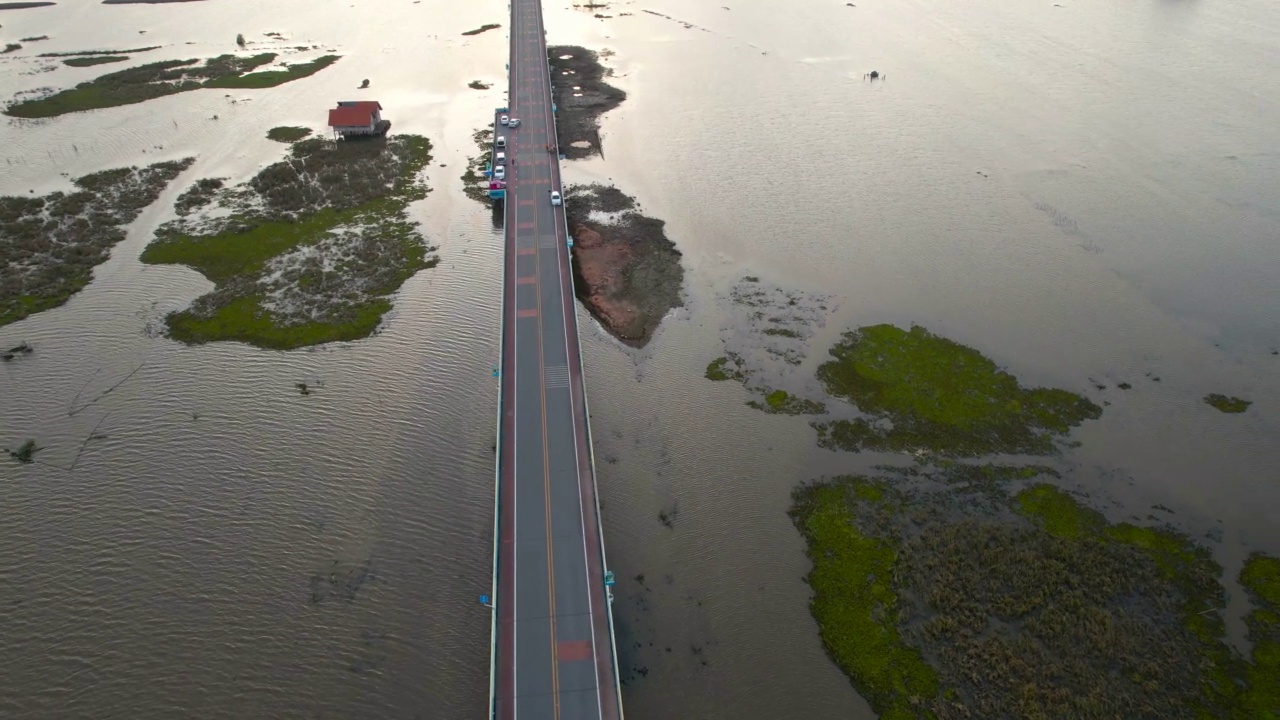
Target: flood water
1081 190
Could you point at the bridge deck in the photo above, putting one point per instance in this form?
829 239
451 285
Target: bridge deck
553 646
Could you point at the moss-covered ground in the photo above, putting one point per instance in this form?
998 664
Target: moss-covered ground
308 251
49 245
925 392
90 61
483 28
854 601
726 367
84 53
1260 697
1227 404
940 604
288 133
153 80
780 402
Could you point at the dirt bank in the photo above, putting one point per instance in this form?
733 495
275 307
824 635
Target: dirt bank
581 96
627 272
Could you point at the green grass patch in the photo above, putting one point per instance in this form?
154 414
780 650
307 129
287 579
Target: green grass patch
781 332
780 402
728 367
287 133
932 601
89 61
1227 404
854 601
243 319
50 244
1180 563
82 53
313 248
1261 695
153 80
1059 513
483 28
273 78
940 396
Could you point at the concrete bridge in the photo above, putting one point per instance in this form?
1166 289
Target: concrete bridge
553 651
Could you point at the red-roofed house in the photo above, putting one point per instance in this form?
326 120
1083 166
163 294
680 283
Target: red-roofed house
356 118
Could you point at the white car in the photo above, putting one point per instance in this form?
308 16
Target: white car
500 172
555 198
513 122
504 120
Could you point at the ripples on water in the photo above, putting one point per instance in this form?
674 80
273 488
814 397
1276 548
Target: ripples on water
231 548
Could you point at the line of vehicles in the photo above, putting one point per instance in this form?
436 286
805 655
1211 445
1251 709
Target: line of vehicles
500 158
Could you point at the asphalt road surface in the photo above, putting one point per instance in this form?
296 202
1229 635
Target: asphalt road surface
554 656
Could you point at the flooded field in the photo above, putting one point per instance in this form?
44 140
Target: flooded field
1086 194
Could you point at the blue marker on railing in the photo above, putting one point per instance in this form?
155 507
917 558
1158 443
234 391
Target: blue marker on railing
484 600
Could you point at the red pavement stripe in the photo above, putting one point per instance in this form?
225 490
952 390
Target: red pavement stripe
573 650
527 251
527 312
527 280
526 202
525 225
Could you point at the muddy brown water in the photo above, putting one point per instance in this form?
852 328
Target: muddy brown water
1085 191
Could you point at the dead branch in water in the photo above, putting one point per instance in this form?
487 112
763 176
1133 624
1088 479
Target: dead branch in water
93 435
72 410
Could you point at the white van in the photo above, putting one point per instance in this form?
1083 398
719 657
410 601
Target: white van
500 159
502 141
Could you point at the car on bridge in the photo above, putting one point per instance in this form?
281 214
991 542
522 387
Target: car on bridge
555 198
514 123
504 119
500 172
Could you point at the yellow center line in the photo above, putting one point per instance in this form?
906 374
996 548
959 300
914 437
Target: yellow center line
546 473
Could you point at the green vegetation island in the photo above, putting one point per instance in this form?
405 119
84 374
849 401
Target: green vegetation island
968 601
925 393
288 133
483 28
49 245
91 60
168 77
306 252
1227 404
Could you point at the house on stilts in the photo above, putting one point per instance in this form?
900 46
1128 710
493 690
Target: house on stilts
354 119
